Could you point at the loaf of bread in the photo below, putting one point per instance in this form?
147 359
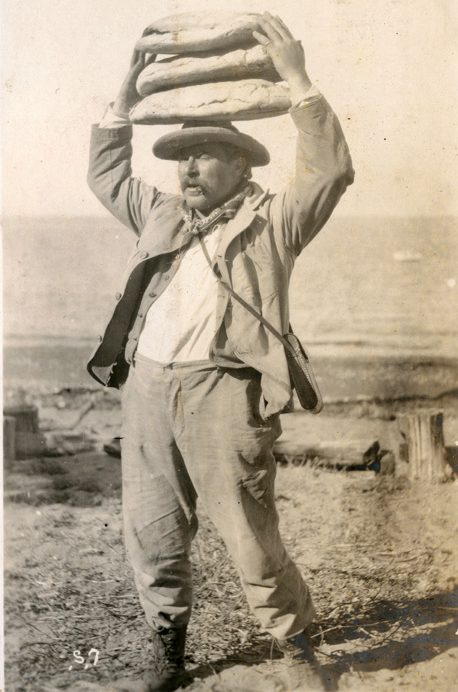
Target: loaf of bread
196 68
199 31
245 99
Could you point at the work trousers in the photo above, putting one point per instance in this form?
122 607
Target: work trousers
194 430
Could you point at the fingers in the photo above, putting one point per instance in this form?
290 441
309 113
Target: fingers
269 28
260 38
140 59
281 27
277 26
275 30
135 58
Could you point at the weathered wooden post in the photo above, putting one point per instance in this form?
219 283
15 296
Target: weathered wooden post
426 455
26 416
9 439
27 438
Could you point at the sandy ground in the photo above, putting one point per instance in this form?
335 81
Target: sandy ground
378 552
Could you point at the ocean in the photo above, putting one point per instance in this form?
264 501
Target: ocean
363 287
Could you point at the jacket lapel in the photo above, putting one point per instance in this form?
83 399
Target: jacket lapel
163 233
234 227
241 221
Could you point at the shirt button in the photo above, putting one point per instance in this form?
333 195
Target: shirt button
118 296
152 295
100 339
140 315
143 254
134 338
129 360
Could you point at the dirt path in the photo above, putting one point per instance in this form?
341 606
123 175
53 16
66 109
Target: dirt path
379 556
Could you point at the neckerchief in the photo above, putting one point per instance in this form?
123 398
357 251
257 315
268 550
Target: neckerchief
201 225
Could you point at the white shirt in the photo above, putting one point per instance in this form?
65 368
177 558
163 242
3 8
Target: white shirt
180 325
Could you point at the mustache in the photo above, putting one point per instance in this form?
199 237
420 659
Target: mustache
190 180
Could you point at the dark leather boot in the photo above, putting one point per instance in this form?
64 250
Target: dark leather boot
166 671
302 667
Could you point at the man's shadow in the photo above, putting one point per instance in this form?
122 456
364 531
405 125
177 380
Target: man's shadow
397 633
391 634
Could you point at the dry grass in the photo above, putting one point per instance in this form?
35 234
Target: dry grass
86 600
69 588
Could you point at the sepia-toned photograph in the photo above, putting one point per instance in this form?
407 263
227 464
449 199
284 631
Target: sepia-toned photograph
230 346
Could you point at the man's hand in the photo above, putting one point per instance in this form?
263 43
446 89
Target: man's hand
286 54
128 94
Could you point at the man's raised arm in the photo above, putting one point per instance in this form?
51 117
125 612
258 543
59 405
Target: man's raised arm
323 163
110 173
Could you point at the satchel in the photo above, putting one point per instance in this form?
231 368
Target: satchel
300 371
301 374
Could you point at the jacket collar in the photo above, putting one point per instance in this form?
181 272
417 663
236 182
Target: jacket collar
177 237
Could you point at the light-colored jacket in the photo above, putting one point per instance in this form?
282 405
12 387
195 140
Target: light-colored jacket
256 253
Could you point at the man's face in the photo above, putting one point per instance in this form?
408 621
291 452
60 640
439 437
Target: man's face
209 173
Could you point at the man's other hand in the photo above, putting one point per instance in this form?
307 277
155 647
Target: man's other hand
128 94
286 53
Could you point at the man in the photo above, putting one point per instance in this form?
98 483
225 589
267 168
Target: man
207 381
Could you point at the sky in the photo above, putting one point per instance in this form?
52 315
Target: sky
389 68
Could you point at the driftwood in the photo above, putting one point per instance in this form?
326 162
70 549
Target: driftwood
354 455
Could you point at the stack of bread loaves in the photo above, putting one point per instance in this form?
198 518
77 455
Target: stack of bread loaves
217 71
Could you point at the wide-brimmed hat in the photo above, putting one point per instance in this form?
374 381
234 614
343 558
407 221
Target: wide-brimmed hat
169 146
